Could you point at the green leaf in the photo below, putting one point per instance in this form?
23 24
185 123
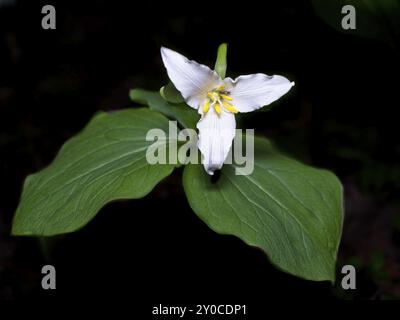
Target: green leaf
105 162
171 94
186 116
220 64
290 210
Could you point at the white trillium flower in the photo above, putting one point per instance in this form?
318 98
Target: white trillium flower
218 100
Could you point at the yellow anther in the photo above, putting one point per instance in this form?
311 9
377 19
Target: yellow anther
217 108
217 98
212 95
230 107
206 106
225 97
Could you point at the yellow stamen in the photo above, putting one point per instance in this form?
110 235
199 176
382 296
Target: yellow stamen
206 106
230 107
218 98
217 108
212 95
225 97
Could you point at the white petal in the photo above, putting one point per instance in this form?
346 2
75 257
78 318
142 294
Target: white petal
216 133
254 91
192 79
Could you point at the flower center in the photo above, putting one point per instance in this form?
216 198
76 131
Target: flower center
218 98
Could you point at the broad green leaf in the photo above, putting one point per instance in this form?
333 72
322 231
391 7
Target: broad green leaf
105 162
290 210
171 94
185 115
220 64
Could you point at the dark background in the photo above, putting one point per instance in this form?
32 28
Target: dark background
341 115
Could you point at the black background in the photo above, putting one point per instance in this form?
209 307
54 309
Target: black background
341 115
